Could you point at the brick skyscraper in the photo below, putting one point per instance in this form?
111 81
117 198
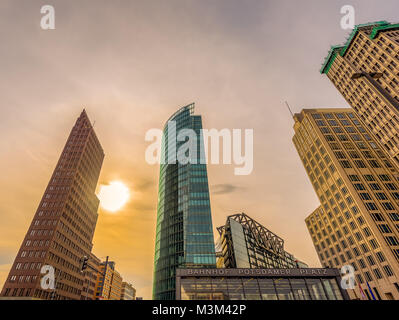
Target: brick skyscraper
62 229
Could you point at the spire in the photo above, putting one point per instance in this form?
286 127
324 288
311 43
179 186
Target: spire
84 118
289 109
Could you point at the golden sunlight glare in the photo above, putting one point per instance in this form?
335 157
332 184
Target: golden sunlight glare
113 196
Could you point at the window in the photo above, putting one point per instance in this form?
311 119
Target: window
235 289
374 243
377 217
375 186
370 260
251 289
283 289
371 206
359 186
369 177
384 177
365 196
380 256
266 287
378 274
367 232
364 248
388 271
368 276
300 289
381 196
391 186
388 206
384 228
392 240
374 164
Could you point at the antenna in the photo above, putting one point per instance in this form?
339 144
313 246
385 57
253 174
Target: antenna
289 109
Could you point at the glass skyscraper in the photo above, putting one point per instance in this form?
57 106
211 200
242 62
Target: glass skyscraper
184 236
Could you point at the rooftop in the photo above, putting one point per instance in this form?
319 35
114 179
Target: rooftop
376 27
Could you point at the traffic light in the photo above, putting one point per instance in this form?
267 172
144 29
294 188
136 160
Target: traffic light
83 263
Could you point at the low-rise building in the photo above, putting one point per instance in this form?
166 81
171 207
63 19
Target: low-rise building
128 291
109 282
245 243
259 284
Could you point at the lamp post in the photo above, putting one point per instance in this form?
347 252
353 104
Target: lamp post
371 78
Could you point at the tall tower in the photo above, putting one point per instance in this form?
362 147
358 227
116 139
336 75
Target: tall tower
184 236
63 226
357 222
366 72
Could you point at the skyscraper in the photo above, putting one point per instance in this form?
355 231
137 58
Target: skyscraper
357 222
366 72
245 243
184 236
63 226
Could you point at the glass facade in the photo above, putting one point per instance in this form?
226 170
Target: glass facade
244 243
259 288
184 236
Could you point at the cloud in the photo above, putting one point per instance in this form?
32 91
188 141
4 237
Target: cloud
224 188
145 184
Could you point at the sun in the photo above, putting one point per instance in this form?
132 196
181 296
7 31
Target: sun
113 196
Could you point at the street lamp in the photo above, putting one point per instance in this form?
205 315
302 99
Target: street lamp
371 78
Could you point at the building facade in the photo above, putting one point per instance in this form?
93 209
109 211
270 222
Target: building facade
63 226
116 288
366 72
128 291
357 222
184 235
109 282
245 243
259 284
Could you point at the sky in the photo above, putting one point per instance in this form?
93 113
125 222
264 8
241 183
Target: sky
132 64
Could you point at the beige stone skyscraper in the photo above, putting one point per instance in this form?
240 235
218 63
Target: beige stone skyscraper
366 72
357 222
